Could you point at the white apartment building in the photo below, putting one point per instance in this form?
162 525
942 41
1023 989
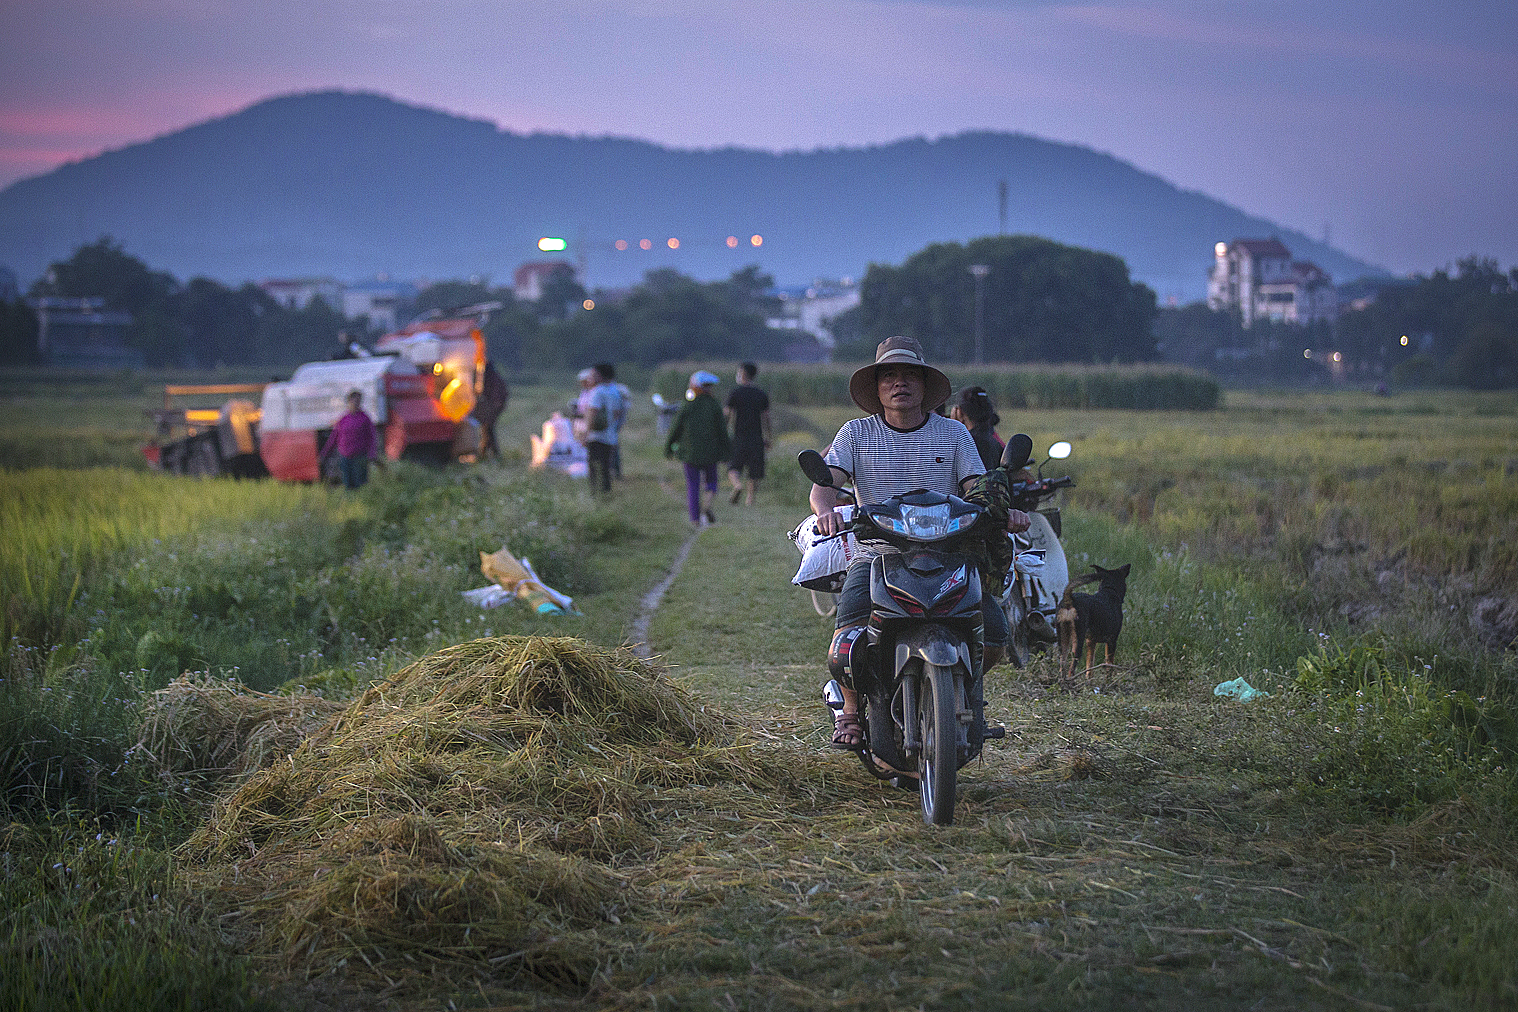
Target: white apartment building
808 309
379 300
1259 279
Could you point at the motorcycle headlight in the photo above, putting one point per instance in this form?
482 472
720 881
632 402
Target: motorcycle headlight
927 523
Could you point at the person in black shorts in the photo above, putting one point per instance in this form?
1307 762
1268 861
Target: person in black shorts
748 411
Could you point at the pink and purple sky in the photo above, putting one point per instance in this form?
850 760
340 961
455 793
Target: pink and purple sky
1394 126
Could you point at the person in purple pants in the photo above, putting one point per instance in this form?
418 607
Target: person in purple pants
698 437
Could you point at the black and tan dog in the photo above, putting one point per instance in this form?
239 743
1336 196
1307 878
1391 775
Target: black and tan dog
1084 620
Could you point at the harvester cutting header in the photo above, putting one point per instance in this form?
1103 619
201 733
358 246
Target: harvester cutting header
419 384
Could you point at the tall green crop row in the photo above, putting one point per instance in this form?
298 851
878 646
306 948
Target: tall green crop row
115 583
63 527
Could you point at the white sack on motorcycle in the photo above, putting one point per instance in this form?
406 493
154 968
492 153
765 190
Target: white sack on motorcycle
824 560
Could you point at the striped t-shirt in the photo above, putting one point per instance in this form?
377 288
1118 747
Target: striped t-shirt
885 461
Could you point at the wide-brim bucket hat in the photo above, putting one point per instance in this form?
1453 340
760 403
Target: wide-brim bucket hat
898 351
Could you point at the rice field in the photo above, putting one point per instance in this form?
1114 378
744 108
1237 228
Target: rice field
259 752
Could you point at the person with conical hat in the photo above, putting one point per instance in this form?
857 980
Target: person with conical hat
899 447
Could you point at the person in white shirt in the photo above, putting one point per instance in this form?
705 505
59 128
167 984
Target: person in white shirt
900 447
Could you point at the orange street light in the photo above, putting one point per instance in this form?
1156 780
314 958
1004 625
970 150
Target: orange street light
621 244
645 244
589 304
756 240
732 242
673 243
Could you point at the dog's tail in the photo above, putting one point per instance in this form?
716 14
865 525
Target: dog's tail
1065 623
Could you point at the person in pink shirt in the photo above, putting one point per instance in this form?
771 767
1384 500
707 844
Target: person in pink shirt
356 441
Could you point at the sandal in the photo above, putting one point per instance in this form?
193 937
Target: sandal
848 732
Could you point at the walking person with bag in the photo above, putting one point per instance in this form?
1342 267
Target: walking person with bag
698 437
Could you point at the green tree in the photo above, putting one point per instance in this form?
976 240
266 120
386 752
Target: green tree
1451 319
562 294
671 316
18 333
667 316
1042 301
1192 334
102 269
1487 359
748 291
446 295
227 326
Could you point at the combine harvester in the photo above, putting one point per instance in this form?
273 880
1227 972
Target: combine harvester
419 385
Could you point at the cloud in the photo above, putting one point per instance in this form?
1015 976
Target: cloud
1280 109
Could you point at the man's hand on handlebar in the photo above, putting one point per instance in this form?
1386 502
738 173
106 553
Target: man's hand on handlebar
1017 521
829 522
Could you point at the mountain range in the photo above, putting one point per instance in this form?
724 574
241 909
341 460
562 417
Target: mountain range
358 185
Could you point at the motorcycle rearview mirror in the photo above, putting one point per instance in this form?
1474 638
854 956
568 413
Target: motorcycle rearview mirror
1019 450
1060 450
815 468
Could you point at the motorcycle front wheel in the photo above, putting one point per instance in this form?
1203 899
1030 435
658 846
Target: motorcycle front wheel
938 731
1019 650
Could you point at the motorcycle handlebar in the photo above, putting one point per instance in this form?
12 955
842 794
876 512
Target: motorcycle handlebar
1041 486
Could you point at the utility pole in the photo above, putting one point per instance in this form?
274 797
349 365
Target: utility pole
980 271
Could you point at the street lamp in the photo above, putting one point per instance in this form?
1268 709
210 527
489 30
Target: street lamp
980 271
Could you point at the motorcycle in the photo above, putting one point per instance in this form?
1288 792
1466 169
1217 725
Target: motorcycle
1040 571
919 676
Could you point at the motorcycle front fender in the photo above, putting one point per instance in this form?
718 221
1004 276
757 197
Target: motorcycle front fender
1054 576
934 644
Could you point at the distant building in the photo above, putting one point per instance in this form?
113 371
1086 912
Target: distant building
83 334
808 309
297 293
527 283
380 301
10 289
1258 279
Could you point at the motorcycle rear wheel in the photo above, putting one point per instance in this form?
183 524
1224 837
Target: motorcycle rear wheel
938 731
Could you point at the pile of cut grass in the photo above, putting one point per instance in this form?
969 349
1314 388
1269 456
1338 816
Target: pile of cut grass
467 815
198 725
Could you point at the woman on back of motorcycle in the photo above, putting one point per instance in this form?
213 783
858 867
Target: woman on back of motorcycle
974 410
901 447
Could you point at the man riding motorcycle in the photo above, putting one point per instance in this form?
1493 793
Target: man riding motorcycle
902 447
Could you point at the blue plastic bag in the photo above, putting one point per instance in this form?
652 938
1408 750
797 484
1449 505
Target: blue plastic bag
1238 689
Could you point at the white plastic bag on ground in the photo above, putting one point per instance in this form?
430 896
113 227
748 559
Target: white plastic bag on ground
492 596
824 559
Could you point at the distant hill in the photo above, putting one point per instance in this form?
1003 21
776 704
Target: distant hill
351 185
